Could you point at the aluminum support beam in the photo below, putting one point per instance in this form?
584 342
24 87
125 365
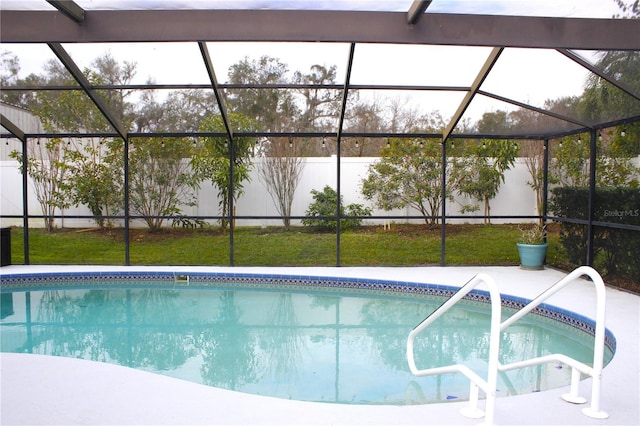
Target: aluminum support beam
224 86
345 92
343 111
545 182
482 75
593 157
416 10
25 200
581 61
536 109
223 112
71 66
12 128
20 26
127 203
216 87
69 8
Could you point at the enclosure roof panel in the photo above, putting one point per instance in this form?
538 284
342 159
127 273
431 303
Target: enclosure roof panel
360 53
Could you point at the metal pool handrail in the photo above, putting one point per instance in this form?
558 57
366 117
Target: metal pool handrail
489 385
577 367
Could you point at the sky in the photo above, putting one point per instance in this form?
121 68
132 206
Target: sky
529 76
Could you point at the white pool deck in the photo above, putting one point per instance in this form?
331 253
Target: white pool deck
41 390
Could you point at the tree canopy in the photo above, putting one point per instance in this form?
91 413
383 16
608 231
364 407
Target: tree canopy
409 173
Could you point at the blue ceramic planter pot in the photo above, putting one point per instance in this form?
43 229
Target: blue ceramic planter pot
532 255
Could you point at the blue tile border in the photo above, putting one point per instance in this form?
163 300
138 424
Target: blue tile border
40 281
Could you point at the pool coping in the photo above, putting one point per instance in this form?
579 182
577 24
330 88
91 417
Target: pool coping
620 378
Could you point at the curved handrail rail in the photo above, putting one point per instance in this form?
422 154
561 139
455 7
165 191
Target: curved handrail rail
489 385
595 371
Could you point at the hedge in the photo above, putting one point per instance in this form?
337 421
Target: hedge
616 251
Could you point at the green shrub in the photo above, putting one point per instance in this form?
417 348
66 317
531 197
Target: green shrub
616 250
572 203
322 212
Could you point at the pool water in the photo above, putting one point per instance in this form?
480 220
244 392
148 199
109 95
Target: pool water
324 347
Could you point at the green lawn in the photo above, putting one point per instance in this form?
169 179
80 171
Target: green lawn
403 245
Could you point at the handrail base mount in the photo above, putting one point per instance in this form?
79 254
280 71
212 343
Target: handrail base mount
590 412
472 413
574 399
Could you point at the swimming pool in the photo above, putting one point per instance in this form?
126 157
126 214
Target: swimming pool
334 343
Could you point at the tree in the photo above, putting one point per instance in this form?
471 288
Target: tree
111 72
601 100
275 110
630 9
322 105
320 110
213 161
9 68
322 211
72 110
266 107
494 122
479 172
88 178
523 120
365 117
404 117
570 165
45 158
93 179
95 175
533 154
409 173
160 178
9 71
180 111
281 169
50 176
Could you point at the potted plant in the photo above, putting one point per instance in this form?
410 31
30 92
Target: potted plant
532 247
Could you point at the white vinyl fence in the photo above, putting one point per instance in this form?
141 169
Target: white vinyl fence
515 197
